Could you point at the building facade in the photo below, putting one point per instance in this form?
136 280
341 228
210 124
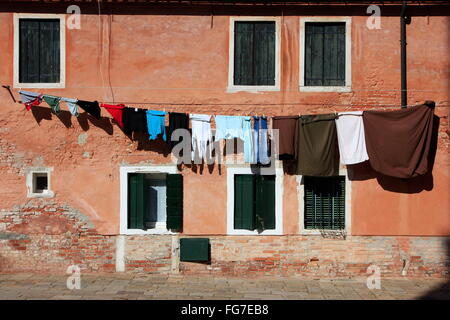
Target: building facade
65 180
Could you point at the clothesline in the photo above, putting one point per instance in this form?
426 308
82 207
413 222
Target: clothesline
311 140
175 104
267 104
396 106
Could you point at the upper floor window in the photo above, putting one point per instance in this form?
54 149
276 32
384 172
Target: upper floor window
39 51
254 54
325 54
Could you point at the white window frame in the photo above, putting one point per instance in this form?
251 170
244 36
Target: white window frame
124 171
30 182
348 55
233 170
62 51
237 88
348 205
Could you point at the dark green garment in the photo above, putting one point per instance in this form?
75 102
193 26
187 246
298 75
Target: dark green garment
53 102
317 152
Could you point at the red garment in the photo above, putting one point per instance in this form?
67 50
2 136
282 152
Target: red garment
33 103
116 111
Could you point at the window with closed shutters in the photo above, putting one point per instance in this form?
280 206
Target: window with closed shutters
39 50
254 207
324 203
254 53
324 54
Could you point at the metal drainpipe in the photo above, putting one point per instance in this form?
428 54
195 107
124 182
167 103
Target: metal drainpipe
403 54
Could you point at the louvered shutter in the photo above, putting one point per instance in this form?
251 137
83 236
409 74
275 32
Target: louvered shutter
137 200
265 202
174 202
244 202
324 203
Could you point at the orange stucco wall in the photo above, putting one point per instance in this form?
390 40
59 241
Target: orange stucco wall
175 59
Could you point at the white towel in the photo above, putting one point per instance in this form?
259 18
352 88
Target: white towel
351 138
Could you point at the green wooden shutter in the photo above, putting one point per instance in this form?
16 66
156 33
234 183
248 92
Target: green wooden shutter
137 200
28 50
174 202
265 202
264 53
324 54
243 53
254 53
244 202
324 203
313 54
334 54
49 64
39 50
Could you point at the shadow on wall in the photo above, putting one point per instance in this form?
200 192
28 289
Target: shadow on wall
106 124
443 291
363 171
42 113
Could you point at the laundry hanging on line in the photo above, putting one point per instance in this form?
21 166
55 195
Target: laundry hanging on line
230 127
287 135
201 136
156 124
351 138
358 138
116 111
317 151
260 140
72 106
53 102
30 99
134 120
398 142
176 121
91 107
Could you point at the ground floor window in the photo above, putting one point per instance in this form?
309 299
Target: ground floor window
38 183
155 201
324 201
254 202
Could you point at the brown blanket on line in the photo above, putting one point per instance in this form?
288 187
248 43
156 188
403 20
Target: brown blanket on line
287 126
398 142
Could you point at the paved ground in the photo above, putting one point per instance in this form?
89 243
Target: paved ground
132 286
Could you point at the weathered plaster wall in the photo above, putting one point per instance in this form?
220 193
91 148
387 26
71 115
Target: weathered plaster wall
180 59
